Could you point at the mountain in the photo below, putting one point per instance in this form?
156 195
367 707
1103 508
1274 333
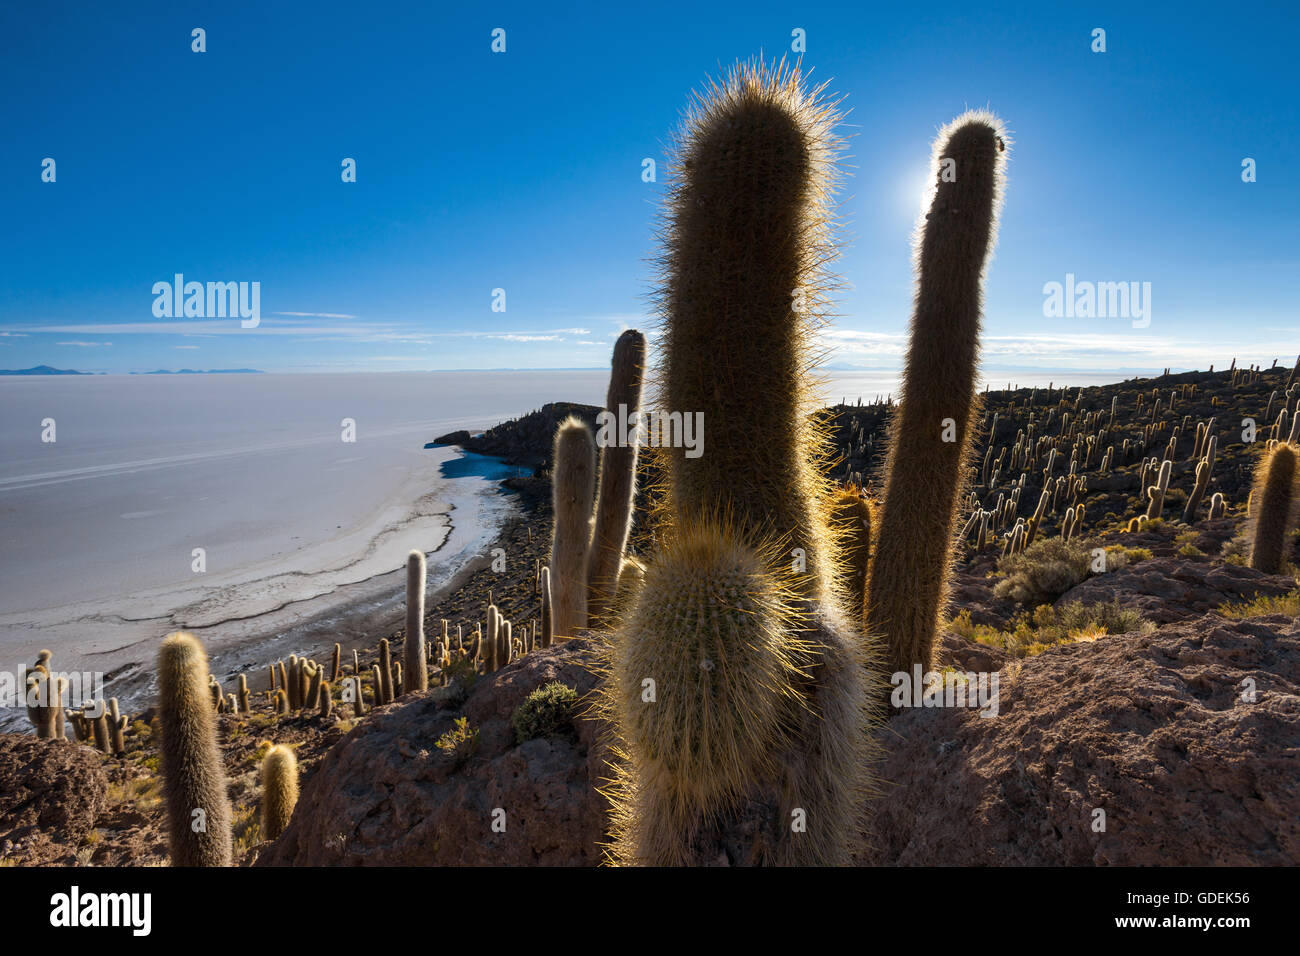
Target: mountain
42 370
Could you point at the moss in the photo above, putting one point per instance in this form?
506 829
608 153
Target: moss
547 712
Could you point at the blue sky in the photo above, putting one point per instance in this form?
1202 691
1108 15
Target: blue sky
522 171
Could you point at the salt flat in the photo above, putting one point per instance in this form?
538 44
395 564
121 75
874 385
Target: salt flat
99 529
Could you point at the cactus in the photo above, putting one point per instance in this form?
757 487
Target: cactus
245 706
613 519
851 518
548 618
59 711
336 663
1217 506
385 686
1198 491
416 670
100 727
116 728
572 486
759 711
1275 500
326 701
194 779
1157 491
279 790
315 676
377 681
911 566
281 702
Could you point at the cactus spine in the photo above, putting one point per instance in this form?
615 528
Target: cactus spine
572 487
911 566
1275 501
613 522
194 779
279 790
416 668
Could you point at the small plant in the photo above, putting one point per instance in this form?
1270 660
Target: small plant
1261 605
1044 571
546 712
461 741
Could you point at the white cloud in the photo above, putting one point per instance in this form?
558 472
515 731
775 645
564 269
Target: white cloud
85 345
184 346
318 315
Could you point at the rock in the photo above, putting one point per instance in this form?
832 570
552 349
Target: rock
386 795
1149 728
453 438
54 786
527 440
1164 590
965 655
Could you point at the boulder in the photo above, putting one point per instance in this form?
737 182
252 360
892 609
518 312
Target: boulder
1156 730
387 795
56 787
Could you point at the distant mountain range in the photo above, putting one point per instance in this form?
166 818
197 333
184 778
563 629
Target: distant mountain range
42 370
50 370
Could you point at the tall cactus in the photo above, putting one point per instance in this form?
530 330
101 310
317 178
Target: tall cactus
279 790
1275 501
194 778
573 489
416 670
737 694
1198 491
548 626
1157 491
930 433
385 688
851 517
613 521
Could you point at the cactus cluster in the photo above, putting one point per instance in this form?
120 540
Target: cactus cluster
737 689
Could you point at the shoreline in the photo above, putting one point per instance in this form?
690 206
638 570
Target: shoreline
471 518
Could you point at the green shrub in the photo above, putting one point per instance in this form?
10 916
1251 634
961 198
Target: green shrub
461 741
1044 571
547 712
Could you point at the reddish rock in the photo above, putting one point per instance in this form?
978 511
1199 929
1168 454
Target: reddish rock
1176 589
51 789
386 795
1149 728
